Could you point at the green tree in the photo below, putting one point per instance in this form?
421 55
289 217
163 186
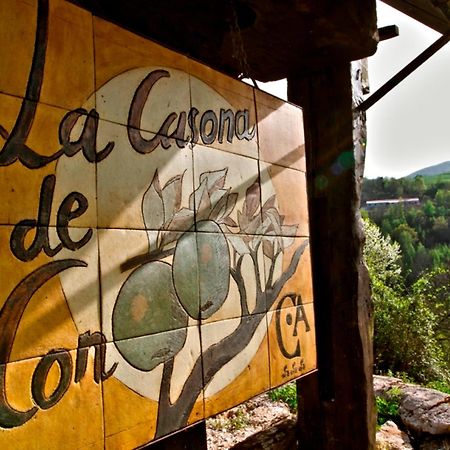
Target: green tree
440 256
406 328
429 209
408 239
419 186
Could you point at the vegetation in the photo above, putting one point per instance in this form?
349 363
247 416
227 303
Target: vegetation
423 231
408 255
286 394
388 406
235 419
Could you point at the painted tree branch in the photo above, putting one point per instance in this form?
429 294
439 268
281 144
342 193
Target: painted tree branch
174 416
271 271
238 278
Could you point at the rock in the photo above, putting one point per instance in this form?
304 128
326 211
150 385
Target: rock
382 384
433 443
280 436
425 410
389 437
422 410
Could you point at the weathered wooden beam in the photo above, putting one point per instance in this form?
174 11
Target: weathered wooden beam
345 415
388 32
269 39
405 72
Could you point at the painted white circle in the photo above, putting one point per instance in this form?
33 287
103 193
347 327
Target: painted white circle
115 190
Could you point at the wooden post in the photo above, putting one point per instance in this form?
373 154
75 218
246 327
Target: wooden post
336 405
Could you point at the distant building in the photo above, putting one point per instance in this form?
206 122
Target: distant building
384 203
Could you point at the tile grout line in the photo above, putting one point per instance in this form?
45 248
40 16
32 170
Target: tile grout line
100 290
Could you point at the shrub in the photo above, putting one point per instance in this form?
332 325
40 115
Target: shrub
406 327
286 394
388 406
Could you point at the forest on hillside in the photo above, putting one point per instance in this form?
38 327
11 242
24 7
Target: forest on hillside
407 252
422 231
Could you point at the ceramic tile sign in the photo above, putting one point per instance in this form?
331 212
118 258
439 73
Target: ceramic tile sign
154 256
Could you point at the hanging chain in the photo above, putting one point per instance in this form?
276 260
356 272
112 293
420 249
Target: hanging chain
237 43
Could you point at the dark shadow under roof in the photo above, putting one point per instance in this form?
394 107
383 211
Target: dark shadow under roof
433 13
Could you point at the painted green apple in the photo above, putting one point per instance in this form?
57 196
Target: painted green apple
148 321
201 269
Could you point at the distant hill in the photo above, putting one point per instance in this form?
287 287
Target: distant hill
432 170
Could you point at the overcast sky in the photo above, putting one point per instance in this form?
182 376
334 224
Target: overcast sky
410 127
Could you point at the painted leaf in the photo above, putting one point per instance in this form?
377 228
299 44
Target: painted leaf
242 220
182 220
287 242
218 195
274 216
289 230
204 206
231 203
268 248
153 206
252 199
265 227
195 197
215 179
254 224
220 206
171 196
238 244
229 222
269 203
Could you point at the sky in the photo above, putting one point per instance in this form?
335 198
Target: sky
409 128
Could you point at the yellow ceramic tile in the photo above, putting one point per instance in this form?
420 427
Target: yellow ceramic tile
219 80
284 200
140 52
52 306
235 361
248 383
17 32
143 191
289 273
57 180
134 423
292 345
139 376
65 47
286 146
57 310
140 83
100 445
71 13
119 213
69 61
47 407
226 116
